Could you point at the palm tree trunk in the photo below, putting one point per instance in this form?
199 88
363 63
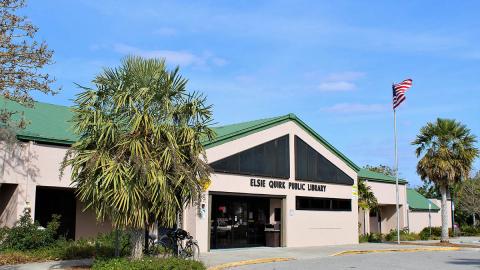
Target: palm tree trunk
444 237
137 238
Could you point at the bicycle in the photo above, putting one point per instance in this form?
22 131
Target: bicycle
180 243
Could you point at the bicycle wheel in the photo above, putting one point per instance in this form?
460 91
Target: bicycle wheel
192 251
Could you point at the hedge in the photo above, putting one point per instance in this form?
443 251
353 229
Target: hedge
147 264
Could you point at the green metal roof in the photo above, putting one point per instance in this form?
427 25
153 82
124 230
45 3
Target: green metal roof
47 122
417 202
378 177
235 131
50 123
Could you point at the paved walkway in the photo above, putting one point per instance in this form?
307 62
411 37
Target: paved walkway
48 265
467 259
224 256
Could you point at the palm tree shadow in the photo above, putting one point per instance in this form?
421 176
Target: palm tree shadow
464 261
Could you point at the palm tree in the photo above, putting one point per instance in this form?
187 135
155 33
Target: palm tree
366 199
139 157
448 150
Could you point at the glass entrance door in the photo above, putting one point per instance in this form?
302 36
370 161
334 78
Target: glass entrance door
238 221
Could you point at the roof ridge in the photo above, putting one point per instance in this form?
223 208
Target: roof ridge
245 122
36 102
261 122
369 174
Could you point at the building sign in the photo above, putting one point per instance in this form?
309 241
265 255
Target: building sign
277 184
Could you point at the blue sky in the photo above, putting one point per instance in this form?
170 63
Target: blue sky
330 62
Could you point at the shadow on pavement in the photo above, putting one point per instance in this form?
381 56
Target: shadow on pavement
11 267
465 262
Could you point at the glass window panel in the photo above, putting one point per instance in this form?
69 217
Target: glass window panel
312 166
323 204
269 159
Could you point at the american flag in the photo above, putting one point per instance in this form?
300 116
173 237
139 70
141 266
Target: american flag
399 90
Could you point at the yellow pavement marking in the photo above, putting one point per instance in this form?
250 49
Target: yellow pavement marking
247 262
351 252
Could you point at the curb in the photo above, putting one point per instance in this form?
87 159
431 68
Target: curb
248 262
354 252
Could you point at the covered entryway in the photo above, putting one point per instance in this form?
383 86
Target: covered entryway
56 201
8 204
384 219
244 221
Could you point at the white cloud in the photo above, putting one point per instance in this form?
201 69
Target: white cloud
348 108
345 76
181 58
341 81
337 86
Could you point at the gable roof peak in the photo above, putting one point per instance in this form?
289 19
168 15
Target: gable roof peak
235 131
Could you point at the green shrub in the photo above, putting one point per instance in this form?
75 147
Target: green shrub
370 237
107 242
103 246
61 250
404 236
363 238
26 235
375 237
436 233
467 230
26 243
147 264
3 235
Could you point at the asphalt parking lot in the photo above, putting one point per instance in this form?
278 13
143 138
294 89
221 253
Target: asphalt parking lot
431 260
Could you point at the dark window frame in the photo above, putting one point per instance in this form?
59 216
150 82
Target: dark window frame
299 200
278 174
311 166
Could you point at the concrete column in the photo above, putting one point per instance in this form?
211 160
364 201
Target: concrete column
367 220
283 222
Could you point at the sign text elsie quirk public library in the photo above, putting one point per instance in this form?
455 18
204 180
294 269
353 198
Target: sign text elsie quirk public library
255 182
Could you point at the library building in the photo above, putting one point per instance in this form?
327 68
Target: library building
275 182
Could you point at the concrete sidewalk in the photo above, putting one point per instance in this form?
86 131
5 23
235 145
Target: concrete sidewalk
265 254
48 265
224 256
461 240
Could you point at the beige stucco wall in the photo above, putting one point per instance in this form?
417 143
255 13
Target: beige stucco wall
386 197
364 222
386 192
86 225
389 218
274 203
30 165
419 220
303 228
374 225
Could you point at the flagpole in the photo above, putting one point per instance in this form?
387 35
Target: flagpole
396 174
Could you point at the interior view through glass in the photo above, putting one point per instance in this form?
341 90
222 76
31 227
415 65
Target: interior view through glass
242 221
